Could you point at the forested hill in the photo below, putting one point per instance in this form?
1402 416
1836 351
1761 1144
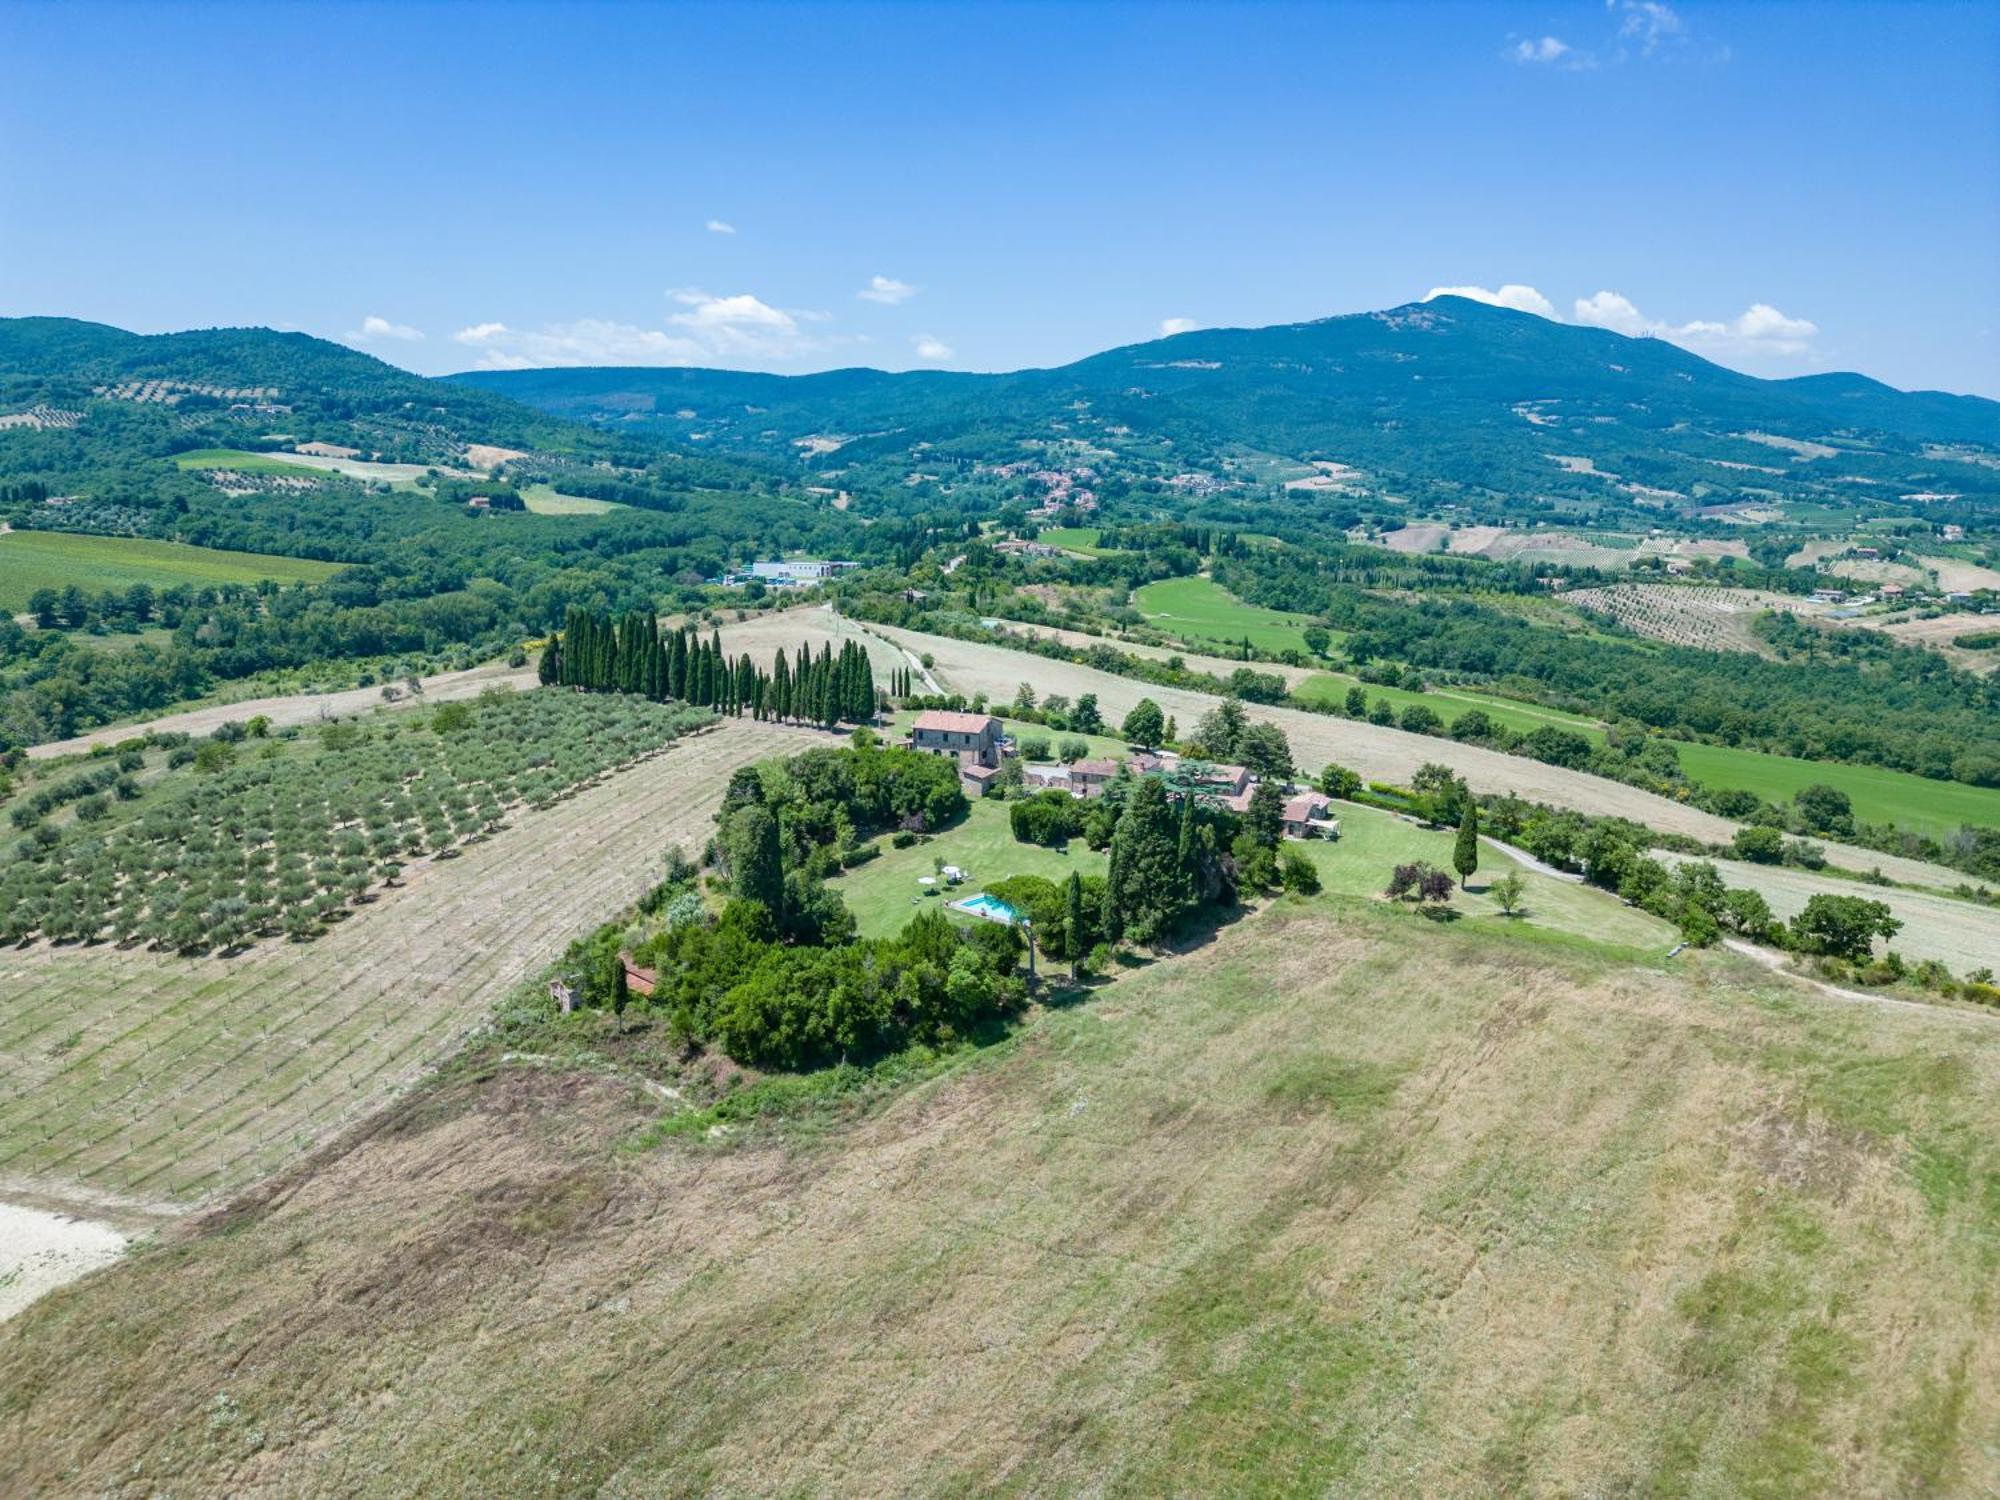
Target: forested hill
66 363
1448 392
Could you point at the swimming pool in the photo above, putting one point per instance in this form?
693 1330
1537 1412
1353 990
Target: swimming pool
992 908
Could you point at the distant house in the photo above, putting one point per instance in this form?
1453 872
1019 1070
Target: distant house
1867 552
802 570
1046 777
1088 778
1308 814
968 738
1828 596
1014 547
976 780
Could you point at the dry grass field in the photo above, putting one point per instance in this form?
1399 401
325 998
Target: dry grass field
167 1080
300 708
1344 1203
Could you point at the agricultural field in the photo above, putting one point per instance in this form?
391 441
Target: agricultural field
1202 612
1879 795
288 709
1712 619
544 500
143 1077
1082 539
240 840
1343 1201
297 465
1447 703
31 560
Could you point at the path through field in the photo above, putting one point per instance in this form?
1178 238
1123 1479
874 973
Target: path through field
172 1080
301 708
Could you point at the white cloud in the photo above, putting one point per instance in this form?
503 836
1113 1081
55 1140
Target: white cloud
373 327
886 290
930 348
1759 330
1543 49
1609 310
1647 23
718 226
739 329
1520 298
1171 326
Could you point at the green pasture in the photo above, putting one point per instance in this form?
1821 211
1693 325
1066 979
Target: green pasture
31 560
1447 703
1076 539
545 500
243 462
1202 612
1879 795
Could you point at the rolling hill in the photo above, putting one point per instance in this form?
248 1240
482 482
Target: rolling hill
1449 394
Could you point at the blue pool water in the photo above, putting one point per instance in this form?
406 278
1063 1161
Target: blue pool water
989 907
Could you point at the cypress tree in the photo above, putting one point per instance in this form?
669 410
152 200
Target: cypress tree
549 669
1465 853
1073 928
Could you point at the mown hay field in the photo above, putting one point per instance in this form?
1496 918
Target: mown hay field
167 1080
31 560
1344 1202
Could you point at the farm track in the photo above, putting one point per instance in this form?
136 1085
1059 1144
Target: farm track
300 708
190 1078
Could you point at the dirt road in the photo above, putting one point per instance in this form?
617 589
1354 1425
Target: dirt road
300 708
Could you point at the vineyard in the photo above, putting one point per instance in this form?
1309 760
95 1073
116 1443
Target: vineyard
216 855
1711 619
165 1080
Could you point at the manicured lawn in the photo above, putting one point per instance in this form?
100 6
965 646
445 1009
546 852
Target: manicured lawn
1448 703
1075 539
1373 842
1879 795
883 894
243 463
1202 612
543 500
31 560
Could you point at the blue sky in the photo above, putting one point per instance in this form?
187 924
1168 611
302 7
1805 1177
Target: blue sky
1785 188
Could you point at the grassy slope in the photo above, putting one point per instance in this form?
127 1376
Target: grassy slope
243 462
31 560
1879 795
1201 611
545 500
1345 1202
1075 539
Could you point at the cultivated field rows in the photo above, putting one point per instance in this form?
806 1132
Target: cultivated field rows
1380 753
167 1079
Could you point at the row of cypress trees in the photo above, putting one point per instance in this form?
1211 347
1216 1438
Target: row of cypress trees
597 654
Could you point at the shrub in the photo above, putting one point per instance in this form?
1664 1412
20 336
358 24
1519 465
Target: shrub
1298 873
